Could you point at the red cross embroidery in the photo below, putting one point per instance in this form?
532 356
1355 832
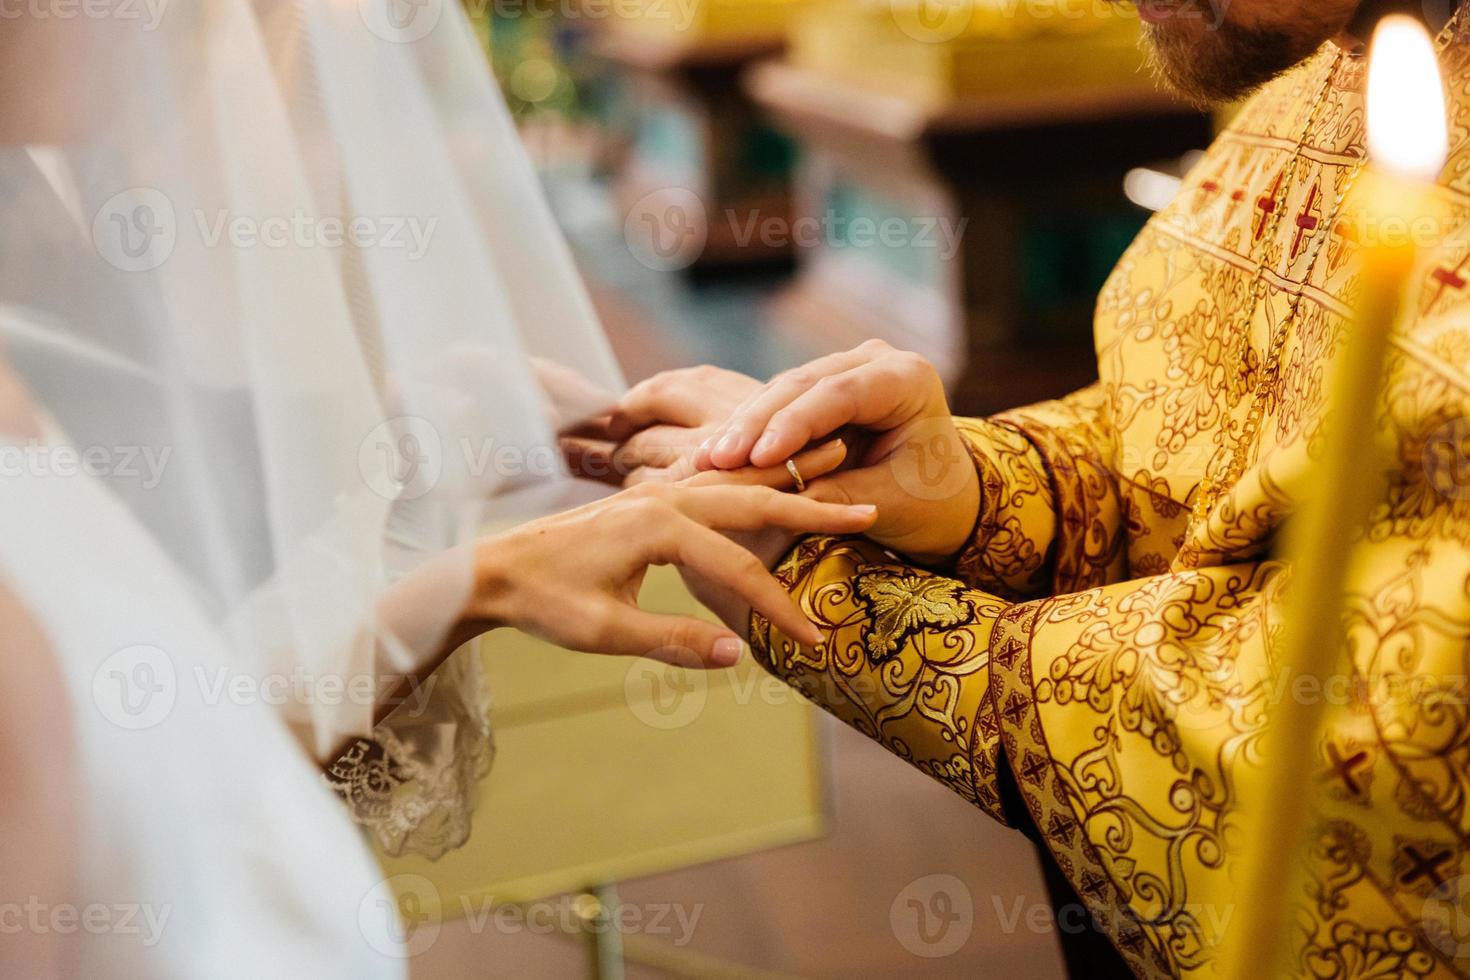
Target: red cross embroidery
1449 278
1308 221
1267 206
1344 240
1207 190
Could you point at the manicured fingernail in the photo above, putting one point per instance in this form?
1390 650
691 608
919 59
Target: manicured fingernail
767 441
865 510
727 443
726 652
813 635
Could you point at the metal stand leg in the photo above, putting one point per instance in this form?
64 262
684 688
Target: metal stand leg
597 908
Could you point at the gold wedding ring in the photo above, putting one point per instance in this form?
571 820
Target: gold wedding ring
796 475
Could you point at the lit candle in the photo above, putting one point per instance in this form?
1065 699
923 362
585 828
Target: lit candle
1407 145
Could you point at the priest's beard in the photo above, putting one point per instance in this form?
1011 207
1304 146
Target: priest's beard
1220 50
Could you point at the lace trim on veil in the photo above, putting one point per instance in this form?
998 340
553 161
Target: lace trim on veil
413 783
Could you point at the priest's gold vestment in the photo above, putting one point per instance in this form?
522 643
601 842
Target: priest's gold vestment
1110 633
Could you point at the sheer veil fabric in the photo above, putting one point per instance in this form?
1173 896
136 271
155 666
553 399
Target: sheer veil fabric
295 319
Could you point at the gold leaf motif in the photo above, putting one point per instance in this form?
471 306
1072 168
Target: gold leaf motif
903 603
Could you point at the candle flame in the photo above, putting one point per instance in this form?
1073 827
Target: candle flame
1407 132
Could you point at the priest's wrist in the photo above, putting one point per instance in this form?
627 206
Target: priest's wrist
957 514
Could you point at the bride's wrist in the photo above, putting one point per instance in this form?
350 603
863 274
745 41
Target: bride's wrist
489 605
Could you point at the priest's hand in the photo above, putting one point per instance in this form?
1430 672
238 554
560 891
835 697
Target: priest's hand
906 454
651 436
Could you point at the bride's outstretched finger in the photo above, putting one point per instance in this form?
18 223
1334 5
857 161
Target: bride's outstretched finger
721 561
679 640
734 508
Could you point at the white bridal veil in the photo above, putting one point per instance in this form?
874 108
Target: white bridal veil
295 319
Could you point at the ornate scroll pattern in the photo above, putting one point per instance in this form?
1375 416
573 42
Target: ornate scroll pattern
1010 551
1051 517
1135 705
905 660
1077 447
1048 793
1129 687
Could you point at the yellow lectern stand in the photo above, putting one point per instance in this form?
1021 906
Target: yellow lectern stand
610 769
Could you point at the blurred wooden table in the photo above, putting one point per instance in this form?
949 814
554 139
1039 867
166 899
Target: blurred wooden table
700 151
1005 170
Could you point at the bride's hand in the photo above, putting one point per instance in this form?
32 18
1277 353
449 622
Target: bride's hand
651 435
768 544
573 578
909 458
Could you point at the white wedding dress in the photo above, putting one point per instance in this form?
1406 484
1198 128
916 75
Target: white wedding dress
182 272
204 830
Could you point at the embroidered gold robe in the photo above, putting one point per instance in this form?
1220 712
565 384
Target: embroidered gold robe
1114 648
